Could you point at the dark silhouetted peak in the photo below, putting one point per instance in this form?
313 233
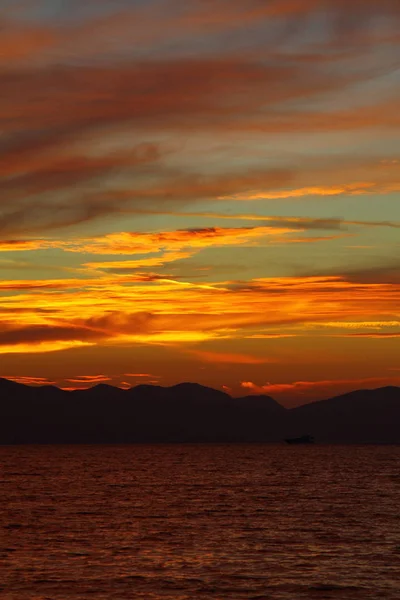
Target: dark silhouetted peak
189 412
198 394
359 416
260 402
100 389
189 387
7 384
146 392
357 399
388 389
104 387
48 389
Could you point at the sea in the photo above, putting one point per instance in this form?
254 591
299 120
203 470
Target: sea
200 522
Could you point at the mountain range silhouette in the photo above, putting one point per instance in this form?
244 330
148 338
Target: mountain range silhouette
189 412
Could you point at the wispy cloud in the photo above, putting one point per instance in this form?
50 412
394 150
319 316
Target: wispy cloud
299 392
68 87
83 312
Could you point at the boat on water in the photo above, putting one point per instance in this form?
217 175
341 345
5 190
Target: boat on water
304 439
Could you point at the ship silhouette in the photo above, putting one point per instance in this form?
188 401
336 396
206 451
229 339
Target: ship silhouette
303 439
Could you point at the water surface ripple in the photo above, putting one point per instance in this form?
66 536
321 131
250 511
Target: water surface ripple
176 522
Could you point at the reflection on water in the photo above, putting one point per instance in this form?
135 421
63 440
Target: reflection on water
184 522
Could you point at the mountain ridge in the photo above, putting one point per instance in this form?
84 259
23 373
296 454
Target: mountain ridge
188 383
189 412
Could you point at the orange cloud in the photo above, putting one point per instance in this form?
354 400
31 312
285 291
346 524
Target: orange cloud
142 243
22 212
80 382
357 324
303 391
127 266
72 107
28 380
82 103
39 347
23 245
86 379
129 243
172 245
378 336
146 375
155 23
18 42
270 336
348 189
302 223
163 311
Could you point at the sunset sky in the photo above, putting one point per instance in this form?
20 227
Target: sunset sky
202 191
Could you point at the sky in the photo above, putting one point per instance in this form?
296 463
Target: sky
201 191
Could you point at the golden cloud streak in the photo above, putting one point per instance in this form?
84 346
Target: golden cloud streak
357 324
42 347
351 189
124 311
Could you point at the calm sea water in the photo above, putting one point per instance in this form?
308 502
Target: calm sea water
200 522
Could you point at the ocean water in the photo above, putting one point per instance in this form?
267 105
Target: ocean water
200 522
